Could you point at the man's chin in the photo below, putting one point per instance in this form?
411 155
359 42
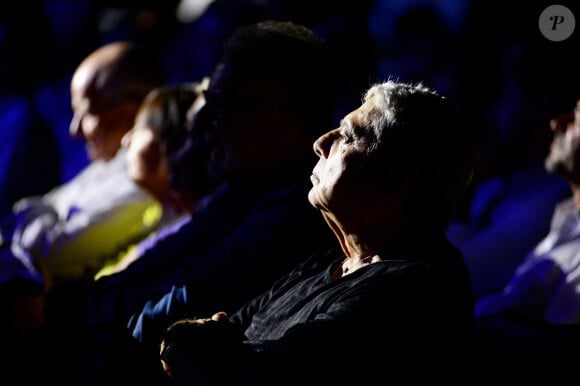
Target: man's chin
313 199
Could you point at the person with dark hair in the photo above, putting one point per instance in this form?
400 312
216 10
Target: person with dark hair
393 299
266 102
153 145
189 179
262 141
258 224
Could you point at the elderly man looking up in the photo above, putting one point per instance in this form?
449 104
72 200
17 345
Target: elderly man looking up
393 300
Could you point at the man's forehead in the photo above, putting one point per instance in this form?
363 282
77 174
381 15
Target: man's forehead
83 78
361 113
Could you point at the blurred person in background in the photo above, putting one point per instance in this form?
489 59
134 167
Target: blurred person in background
70 230
157 162
530 326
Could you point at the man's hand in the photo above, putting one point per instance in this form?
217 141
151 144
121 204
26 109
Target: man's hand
203 343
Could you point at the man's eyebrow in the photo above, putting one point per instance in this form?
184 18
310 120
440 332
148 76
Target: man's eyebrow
346 124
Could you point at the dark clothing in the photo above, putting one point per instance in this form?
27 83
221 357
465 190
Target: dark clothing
231 253
29 155
407 319
404 318
247 237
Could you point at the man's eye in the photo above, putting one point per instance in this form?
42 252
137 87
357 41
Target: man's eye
348 138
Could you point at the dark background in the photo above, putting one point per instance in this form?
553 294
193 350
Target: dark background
489 56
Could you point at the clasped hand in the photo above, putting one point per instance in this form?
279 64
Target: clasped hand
199 345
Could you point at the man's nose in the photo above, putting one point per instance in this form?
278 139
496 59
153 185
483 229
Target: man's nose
323 144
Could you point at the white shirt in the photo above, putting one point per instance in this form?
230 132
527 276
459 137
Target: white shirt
75 227
547 283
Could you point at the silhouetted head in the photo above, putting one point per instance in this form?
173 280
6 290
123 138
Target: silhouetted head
271 94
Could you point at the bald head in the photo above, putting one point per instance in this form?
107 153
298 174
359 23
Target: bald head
106 91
